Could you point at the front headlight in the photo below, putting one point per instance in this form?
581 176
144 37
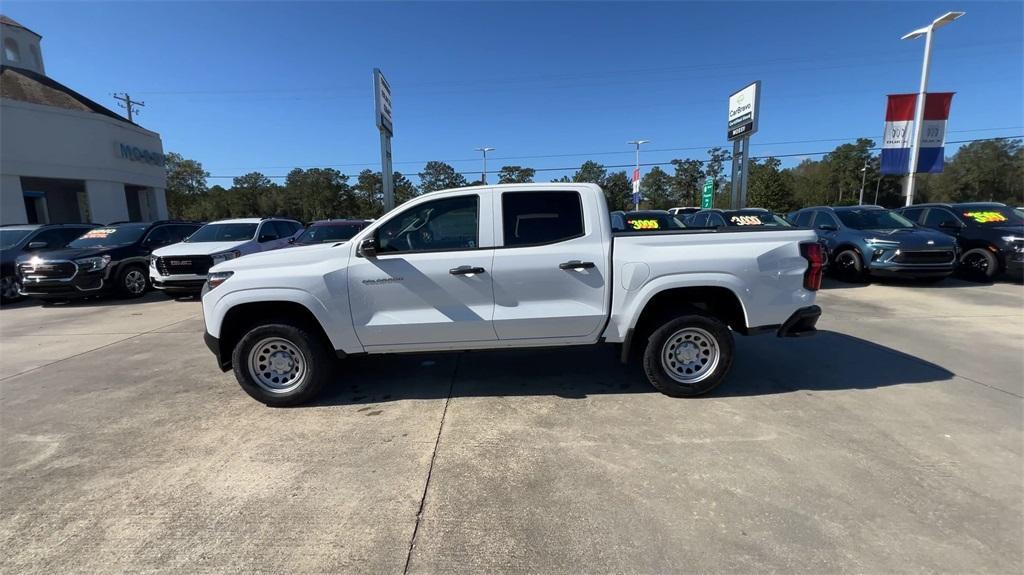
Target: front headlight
217 278
1016 243
94 264
225 256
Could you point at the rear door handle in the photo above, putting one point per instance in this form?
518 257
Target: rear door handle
465 271
575 265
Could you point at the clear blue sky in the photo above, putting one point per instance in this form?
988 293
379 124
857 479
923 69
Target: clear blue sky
243 86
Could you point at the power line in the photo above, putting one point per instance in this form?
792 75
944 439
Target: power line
726 159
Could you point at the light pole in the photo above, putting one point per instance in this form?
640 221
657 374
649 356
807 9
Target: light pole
915 149
636 174
863 176
878 184
485 149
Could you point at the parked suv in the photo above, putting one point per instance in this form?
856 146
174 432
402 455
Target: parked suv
990 235
181 268
105 259
27 239
328 231
873 241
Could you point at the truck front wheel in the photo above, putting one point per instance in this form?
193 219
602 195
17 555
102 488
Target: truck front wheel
688 355
281 364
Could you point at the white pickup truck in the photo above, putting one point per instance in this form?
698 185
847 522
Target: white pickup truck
509 266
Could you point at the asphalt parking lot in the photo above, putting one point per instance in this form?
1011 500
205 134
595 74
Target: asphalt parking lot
891 442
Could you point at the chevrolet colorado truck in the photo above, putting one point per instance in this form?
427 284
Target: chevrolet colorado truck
509 266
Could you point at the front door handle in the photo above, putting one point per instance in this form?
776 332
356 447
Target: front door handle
575 265
465 271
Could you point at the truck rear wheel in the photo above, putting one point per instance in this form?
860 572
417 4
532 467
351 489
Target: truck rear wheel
281 364
688 355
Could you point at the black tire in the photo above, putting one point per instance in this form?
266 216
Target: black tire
848 266
314 363
9 290
979 264
674 333
128 282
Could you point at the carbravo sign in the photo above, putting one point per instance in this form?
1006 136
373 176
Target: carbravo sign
744 108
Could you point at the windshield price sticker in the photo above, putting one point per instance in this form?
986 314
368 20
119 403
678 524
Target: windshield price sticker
985 217
746 221
99 233
644 224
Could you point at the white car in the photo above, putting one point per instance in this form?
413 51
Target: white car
509 266
181 268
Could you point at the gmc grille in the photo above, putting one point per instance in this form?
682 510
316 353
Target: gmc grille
182 265
47 270
925 257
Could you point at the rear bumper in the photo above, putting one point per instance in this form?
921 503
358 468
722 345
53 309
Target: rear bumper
801 323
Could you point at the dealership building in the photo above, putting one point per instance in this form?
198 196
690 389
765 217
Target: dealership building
63 157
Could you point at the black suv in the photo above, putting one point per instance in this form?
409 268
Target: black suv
107 258
22 239
990 235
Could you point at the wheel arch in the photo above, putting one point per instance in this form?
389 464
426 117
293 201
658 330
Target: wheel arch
241 317
717 301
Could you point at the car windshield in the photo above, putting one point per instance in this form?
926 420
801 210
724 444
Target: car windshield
318 234
10 238
755 218
873 220
110 236
651 221
992 216
223 233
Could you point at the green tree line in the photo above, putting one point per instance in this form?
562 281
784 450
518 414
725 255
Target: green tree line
987 170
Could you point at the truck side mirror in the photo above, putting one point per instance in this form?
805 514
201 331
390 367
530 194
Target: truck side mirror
368 247
37 245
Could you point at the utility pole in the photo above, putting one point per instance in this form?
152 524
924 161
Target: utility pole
485 149
863 175
127 103
636 173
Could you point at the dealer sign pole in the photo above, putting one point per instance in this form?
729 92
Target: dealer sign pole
744 111
382 105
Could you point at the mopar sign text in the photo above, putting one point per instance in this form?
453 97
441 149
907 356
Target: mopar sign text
136 154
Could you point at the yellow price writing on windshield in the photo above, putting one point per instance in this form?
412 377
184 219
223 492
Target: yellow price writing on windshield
644 224
746 221
984 217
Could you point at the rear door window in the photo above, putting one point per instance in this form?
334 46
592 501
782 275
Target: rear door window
913 214
537 218
804 219
936 217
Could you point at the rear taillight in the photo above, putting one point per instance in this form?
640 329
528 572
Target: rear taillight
815 260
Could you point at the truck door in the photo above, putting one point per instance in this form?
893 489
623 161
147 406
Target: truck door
550 266
430 280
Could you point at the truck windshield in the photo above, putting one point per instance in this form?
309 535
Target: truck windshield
992 216
755 218
223 233
873 220
10 238
318 234
108 236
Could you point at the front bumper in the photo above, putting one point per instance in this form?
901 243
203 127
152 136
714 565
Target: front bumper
922 271
191 283
801 323
224 363
82 284
1015 263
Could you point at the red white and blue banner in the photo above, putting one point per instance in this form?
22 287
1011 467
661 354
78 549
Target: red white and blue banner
899 133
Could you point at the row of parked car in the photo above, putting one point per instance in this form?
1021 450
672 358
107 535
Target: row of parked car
60 261
926 241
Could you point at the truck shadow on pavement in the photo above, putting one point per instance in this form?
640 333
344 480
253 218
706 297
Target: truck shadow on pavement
764 365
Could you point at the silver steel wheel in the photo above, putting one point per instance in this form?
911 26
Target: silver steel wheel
690 355
277 365
135 282
9 288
